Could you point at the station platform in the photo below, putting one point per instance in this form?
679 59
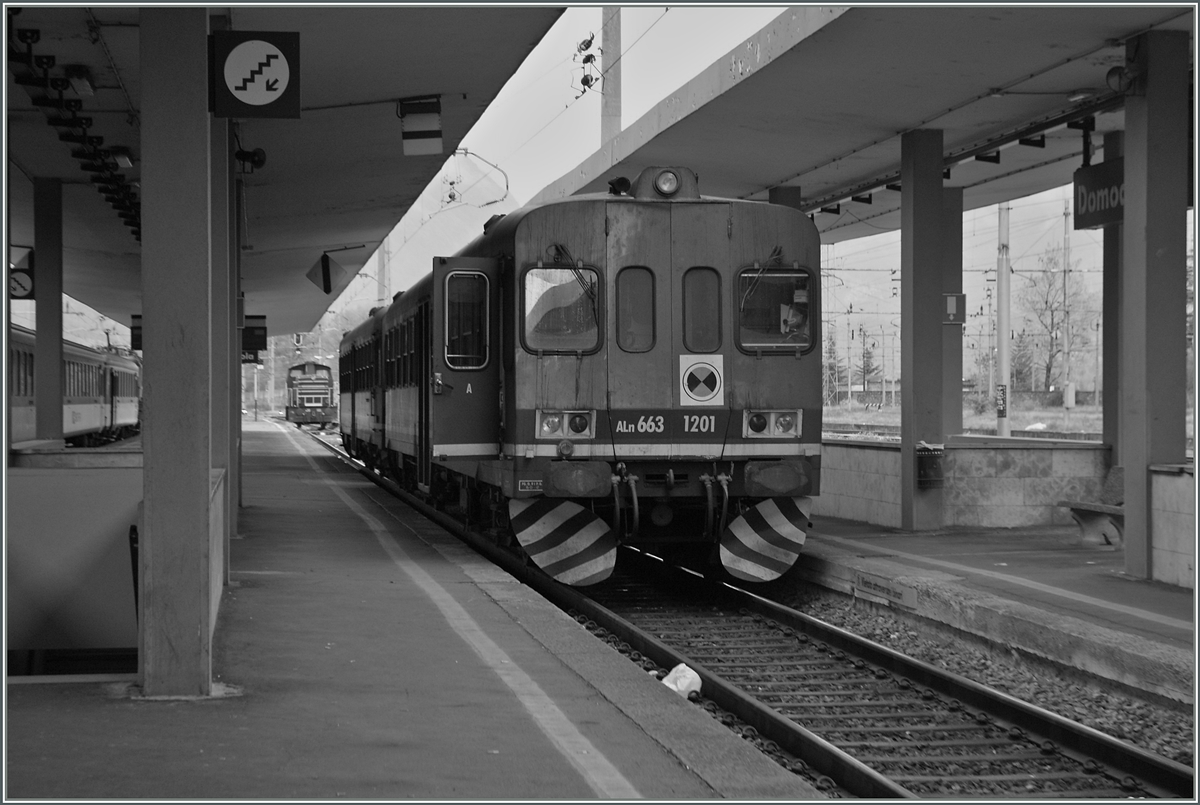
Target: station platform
362 653
1036 590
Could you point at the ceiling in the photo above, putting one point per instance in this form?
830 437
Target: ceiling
820 98
335 178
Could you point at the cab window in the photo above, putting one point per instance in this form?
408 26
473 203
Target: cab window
635 309
561 308
702 310
466 320
774 308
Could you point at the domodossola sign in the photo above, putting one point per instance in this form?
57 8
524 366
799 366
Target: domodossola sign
1100 194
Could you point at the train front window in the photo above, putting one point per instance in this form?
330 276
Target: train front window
702 310
635 309
561 309
774 309
466 320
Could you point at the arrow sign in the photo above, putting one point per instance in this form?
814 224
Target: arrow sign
955 310
255 74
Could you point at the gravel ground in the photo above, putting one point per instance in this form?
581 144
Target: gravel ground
1167 732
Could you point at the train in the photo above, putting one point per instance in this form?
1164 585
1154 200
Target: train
310 396
102 392
635 367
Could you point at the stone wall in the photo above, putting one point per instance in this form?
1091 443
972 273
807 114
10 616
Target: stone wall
1173 524
1014 482
860 480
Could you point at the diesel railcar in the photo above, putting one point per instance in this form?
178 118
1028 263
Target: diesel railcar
638 367
310 397
101 391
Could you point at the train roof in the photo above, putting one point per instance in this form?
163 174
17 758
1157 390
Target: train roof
22 334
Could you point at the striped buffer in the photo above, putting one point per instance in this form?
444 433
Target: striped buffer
762 543
568 542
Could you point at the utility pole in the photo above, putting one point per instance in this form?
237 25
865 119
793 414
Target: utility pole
1003 325
849 360
610 61
1066 303
1068 386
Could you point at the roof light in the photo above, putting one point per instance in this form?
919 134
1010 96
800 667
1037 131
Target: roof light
667 183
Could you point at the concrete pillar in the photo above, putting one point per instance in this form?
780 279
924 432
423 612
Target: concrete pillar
175 546
223 327
921 224
1154 278
48 372
1110 358
610 63
952 334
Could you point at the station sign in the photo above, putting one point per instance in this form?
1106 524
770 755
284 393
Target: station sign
326 274
254 335
254 74
20 283
1100 194
252 356
20 274
955 311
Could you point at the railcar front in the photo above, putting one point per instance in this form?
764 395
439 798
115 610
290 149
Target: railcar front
655 372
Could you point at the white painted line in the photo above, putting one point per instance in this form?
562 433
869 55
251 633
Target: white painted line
597 771
1153 617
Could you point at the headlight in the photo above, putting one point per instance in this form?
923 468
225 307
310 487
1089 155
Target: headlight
570 424
666 183
771 424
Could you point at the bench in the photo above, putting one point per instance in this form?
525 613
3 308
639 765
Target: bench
1102 522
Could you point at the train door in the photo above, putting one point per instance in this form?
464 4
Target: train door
464 389
424 371
640 319
114 391
701 337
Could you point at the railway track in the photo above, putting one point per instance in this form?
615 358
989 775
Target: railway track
876 722
857 718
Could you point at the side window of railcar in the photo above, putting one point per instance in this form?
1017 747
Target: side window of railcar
562 309
466 320
635 309
702 310
773 309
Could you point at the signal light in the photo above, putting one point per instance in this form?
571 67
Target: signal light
579 423
758 423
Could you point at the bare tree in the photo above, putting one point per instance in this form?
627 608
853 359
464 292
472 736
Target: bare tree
1053 303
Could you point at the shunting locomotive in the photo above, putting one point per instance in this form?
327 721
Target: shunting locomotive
310 397
635 367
